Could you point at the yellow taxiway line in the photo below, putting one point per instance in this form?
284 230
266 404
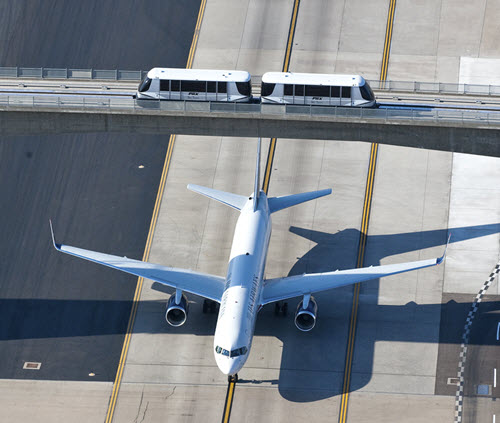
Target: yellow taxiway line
364 228
140 281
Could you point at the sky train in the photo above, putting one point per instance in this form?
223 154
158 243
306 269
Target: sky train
276 87
195 85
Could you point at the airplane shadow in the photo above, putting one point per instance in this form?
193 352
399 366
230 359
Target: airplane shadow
312 363
321 357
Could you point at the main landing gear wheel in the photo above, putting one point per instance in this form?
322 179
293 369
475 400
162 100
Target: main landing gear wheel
232 378
209 306
280 307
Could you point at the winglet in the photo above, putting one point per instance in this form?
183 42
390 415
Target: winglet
56 246
441 259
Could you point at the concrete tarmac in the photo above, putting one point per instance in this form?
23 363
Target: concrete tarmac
99 189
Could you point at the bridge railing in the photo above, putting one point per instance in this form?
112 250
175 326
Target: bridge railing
435 88
66 73
131 75
117 104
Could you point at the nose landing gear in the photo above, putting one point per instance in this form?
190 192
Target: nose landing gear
209 306
232 379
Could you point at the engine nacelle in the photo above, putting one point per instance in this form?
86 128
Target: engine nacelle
305 318
176 314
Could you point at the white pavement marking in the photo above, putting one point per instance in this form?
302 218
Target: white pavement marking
494 378
474 70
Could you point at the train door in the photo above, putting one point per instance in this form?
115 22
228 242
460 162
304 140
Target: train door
154 88
288 95
317 95
298 93
346 99
194 90
222 91
175 90
335 96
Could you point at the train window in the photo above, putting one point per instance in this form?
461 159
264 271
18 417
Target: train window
194 86
317 91
145 84
288 89
346 92
366 92
211 86
267 89
244 88
299 90
164 85
222 87
335 92
175 85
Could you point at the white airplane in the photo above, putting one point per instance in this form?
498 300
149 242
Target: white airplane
244 290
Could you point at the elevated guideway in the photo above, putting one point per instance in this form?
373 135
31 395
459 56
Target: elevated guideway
448 117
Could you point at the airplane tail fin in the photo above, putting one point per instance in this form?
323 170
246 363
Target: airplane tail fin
256 188
280 203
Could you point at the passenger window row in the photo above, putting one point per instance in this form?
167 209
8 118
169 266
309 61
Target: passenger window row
317 90
193 86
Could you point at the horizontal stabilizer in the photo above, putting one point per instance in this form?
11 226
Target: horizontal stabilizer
232 200
280 203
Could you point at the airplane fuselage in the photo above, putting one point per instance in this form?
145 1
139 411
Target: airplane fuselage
241 299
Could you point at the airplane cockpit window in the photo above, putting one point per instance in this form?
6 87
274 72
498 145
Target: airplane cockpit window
222 351
234 353
239 351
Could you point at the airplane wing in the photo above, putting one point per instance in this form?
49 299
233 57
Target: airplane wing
296 286
204 285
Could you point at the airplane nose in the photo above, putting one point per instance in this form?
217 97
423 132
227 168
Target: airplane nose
229 366
234 367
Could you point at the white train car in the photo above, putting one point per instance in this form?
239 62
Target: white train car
316 89
195 85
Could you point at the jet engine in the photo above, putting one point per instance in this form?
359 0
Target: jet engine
176 314
305 316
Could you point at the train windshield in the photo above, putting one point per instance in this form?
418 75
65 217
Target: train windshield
145 84
267 89
244 88
366 92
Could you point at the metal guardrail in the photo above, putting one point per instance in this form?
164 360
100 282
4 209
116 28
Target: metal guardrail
52 73
126 104
126 75
435 88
